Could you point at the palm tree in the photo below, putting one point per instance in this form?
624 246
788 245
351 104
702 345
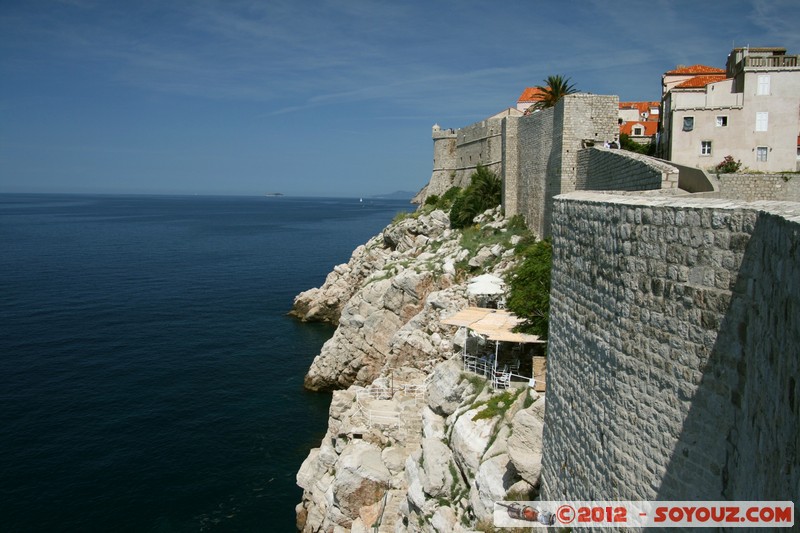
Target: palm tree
555 88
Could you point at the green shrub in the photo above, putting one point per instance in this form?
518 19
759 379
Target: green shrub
728 165
517 224
433 199
529 288
497 405
484 192
626 143
461 214
402 215
450 195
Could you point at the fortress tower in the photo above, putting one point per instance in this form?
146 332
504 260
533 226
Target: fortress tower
444 160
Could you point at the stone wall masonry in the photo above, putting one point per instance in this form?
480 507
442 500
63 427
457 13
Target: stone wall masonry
673 358
479 143
536 159
511 166
549 142
604 169
585 118
753 187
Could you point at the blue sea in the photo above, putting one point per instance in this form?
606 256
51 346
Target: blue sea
150 379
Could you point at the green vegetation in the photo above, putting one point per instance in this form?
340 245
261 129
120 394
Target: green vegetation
497 405
529 288
484 192
443 202
402 215
554 89
473 238
528 400
728 165
477 382
632 146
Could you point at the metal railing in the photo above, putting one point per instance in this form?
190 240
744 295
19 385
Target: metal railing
388 417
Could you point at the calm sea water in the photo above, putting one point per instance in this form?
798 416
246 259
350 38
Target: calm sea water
150 379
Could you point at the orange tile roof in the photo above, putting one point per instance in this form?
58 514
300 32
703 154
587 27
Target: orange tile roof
531 94
700 81
642 107
697 69
650 127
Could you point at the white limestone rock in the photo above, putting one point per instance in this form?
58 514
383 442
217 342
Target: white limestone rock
525 444
446 389
435 476
470 439
495 476
361 479
432 424
444 520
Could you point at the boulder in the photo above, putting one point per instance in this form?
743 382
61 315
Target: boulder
470 439
495 476
525 443
446 389
361 479
444 520
436 477
310 470
432 424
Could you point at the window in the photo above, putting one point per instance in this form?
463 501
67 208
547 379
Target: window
705 147
722 121
761 153
763 84
762 121
638 130
688 123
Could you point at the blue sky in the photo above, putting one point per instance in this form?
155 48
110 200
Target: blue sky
318 98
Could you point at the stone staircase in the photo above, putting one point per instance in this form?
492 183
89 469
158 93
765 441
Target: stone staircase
391 513
412 429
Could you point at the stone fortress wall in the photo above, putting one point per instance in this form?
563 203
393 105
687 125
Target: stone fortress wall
673 356
675 318
753 187
603 169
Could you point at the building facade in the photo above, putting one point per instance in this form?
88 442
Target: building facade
751 112
639 120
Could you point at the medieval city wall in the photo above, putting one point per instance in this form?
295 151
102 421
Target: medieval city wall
604 169
536 167
444 161
549 143
510 166
753 187
674 334
479 143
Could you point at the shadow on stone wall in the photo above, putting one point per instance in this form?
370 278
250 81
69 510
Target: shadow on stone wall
552 187
741 435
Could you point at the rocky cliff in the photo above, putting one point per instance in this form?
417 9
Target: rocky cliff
388 299
413 442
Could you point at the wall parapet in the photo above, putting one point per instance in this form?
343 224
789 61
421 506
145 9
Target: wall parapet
752 187
605 169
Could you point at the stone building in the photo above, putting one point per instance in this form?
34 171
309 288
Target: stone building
534 155
529 96
748 111
639 120
458 152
